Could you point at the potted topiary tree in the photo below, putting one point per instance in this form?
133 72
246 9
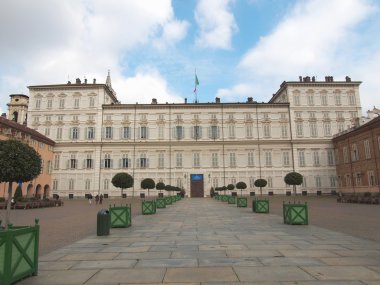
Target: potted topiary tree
260 205
260 183
148 183
160 202
168 199
18 163
241 185
123 181
295 213
160 186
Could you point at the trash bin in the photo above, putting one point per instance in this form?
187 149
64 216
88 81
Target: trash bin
103 223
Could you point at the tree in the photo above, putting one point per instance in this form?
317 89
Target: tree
18 163
230 187
160 186
241 185
123 181
148 183
18 193
293 178
169 188
260 183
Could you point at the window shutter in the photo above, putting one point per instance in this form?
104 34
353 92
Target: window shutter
68 164
102 163
217 132
139 133
70 133
192 132
76 164
183 132
137 163
86 133
200 132
78 137
147 133
210 131
121 133
129 163
120 162
84 163
111 163
111 132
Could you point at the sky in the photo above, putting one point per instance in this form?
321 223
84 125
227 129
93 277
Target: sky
153 48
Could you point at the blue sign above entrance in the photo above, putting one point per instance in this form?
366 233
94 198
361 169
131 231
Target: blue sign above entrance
196 177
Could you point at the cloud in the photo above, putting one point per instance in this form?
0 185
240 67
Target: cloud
49 42
145 85
216 23
172 32
236 92
318 38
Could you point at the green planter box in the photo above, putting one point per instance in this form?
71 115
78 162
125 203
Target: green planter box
168 200
148 207
260 206
174 199
241 202
18 253
160 203
232 200
121 217
295 214
225 198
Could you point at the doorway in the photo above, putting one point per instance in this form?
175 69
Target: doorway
196 186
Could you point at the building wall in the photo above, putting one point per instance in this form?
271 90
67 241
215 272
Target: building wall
253 139
42 184
358 163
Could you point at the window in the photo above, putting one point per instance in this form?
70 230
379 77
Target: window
76 103
36 119
38 103
351 99
270 182
345 154
304 182
340 127
354 152
108 133
298 115
299 129
92 101
59 133
197 132
232 159
251 182
125 133
61 103
214 158
88 161
143 161
215 182
316 158
327 129
47 132
284 130
318 182
268 159
74 133
160 132
106 183
49 103
60 118
107 163
214 132
313 129
371 178
296 100
161 160
330 157
367 149
87 185
71 184
358 179
55 184
90 133
125 161
266 130
179 159
251 161
48 170
310 99
56 161
143 132
353 115
285 158
179 182
249 130
301 158
73 162
231 131
348 180
337 99
196 160
336 156
332 181
339 115
326 115
178 132
311 115
324 99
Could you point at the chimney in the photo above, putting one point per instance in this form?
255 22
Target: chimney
85 81
300 78
348 79
217 100
68 82
77 81
249 100
154 101
185 100
94 81
313 79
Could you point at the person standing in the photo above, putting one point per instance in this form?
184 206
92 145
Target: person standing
101 199
97 199
89 199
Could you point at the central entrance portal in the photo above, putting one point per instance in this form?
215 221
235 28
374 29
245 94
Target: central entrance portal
196 186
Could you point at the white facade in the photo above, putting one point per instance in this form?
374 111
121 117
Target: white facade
96 137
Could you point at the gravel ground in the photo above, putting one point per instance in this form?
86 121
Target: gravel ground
77 219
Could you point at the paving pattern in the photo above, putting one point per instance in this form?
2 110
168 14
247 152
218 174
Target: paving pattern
203 241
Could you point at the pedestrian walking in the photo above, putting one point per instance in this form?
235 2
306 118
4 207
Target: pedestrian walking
97 199
89 199
101 199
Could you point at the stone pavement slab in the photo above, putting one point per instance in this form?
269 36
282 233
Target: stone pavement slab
203 241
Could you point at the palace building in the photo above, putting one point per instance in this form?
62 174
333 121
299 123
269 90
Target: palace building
195 146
